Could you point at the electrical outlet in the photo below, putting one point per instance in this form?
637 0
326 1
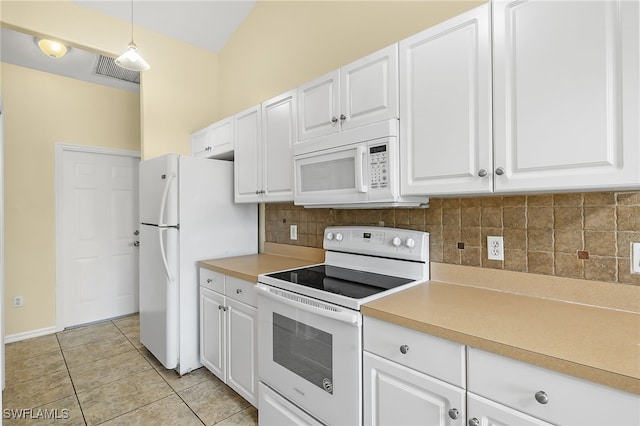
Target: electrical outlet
293 232
495 248
18 301
635 258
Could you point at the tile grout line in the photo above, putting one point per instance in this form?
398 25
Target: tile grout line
71 380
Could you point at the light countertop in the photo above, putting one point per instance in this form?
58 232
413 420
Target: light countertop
275 258
586 329
600 344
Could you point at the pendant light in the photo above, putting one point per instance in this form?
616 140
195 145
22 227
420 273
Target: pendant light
131 59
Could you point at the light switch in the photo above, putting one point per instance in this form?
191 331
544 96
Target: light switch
293 232
635 258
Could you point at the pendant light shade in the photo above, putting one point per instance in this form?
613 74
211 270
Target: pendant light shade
131 59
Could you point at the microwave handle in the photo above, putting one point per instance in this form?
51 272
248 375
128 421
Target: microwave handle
361 156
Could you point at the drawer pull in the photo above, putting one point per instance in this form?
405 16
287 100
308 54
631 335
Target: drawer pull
474 422
542 397
209 280
238 290
404 349
453 413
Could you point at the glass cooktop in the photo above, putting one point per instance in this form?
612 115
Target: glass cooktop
346 282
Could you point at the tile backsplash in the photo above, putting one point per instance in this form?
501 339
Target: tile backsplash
581 235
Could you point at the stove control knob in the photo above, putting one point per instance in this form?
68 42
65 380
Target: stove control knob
338 237
329 236
411 243
396 241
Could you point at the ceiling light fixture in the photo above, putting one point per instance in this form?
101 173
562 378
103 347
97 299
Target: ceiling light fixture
131 59
52 49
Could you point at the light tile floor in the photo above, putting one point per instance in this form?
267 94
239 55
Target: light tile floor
102 374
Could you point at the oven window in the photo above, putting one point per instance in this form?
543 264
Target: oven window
303 350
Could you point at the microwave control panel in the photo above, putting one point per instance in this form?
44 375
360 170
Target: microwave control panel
379 166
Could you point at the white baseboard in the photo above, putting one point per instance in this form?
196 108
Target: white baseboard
29 334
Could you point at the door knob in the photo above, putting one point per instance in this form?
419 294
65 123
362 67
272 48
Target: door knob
136 232
136 243
499 171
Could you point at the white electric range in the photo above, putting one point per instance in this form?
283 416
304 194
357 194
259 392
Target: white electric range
310 326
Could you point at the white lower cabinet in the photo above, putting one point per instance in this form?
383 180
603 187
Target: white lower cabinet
398 395
411 378
484 412
545 395
228 332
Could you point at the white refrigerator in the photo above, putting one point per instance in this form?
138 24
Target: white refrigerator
187 214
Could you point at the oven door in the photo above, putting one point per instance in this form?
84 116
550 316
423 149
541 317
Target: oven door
338 175
311 353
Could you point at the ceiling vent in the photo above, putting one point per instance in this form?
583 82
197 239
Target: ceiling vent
106 66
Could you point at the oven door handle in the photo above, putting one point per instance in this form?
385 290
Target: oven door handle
307 304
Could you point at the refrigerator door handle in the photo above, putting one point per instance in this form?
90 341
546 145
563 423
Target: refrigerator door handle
165 194
170 277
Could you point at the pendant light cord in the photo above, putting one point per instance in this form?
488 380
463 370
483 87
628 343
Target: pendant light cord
131 21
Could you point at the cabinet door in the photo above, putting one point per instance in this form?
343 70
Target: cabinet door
566 97
483 412
395 395
318 107
221 138
369 89
200 143
279 132
212 332
445 92
247 166
242 369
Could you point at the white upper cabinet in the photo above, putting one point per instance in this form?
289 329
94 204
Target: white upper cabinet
445 107
263 164
363 92
279 134
566 95
247 155
214 141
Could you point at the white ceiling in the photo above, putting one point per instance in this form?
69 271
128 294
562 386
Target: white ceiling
204 23
207 24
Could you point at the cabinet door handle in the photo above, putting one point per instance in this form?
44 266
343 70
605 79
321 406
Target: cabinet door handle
238 290
474 422
404 349
209 280
542 397
453 413
499 171
343 117
334 119
482 172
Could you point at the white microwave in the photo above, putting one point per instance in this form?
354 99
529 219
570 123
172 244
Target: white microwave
361 174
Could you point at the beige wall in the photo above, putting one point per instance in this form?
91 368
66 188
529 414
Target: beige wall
42 109
178 96
180 92
283 44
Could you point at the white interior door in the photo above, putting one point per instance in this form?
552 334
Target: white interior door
99 259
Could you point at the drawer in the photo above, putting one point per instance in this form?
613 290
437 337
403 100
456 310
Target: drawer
428 354
242 291
212 280
571 401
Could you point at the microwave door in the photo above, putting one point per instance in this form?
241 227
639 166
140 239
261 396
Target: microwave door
332 176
